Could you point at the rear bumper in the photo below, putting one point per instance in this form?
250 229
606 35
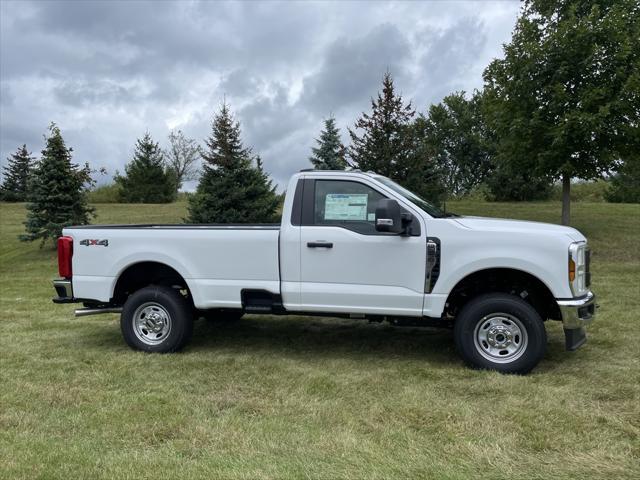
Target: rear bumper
576 315
64 289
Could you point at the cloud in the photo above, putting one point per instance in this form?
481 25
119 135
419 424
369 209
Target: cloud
450 54
106 72
353 67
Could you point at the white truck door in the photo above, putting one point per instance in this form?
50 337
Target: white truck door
346 266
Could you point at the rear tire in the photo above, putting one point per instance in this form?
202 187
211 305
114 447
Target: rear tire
500 332
156 319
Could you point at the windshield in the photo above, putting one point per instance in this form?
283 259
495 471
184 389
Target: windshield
412 197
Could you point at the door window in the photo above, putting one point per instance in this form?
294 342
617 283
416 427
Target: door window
351 205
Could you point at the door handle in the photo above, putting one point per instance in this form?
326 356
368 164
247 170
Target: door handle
319 244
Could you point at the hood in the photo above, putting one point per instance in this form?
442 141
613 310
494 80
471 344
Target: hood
520 226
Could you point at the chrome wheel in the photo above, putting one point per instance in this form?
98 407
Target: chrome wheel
151 323
500 338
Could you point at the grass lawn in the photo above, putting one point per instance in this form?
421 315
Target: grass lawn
297 397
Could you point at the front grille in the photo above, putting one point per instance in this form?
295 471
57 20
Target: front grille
587 267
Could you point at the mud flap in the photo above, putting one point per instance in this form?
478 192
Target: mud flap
574 338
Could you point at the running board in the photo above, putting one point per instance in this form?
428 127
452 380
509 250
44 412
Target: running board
261 301
258 309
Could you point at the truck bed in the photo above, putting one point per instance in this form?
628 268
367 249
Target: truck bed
216 261
183 226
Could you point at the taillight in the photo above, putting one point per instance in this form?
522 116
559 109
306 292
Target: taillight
65 252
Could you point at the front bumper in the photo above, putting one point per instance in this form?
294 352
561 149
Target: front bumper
576 315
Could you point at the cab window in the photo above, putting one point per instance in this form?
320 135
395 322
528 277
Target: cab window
347 204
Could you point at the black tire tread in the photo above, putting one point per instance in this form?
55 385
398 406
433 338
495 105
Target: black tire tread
500 302
179 309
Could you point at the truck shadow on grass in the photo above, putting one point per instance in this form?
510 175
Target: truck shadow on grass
332 338
324 337
319 339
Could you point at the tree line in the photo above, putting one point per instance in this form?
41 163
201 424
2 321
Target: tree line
563 104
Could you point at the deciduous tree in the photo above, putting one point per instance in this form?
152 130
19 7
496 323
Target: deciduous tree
564 100
625 184
182 157
459 140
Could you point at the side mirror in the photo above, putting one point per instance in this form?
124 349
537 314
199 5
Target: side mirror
389 216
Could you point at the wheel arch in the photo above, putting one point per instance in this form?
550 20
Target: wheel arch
510 280
140 274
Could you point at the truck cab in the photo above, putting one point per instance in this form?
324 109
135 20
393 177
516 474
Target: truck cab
350 244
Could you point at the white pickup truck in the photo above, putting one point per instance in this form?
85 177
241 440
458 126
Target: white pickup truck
350 244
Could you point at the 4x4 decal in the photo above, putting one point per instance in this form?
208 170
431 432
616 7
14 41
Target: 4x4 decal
90 242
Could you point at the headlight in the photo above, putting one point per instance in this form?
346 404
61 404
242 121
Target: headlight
577 268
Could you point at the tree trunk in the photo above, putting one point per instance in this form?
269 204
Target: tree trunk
566 198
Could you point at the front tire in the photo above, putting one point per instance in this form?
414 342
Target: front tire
156 319
500 332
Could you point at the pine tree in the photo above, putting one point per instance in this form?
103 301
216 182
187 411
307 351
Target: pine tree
330 153
16 175
231 188
146 179
57 192
384 144
391 144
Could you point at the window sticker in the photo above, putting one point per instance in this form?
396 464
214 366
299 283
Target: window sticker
346 206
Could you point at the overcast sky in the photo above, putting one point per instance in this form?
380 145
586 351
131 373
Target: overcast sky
106 72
